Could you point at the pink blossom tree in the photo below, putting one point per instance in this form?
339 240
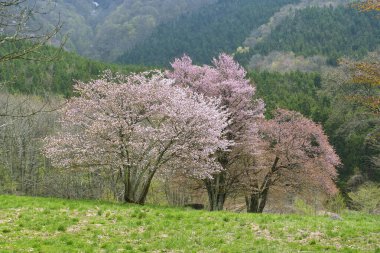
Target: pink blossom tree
138 126
294 151
226 80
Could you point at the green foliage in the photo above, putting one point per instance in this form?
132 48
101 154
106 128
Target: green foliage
349 128
294 91
7 184
107 30
352 127
301 207
367 198
335 204
203 34
332 32
56 225
56 76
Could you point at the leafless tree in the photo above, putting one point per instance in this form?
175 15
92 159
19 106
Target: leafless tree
22 37
20 32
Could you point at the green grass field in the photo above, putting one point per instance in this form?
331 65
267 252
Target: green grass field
53 225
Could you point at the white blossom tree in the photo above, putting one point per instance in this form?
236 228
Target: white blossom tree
138 126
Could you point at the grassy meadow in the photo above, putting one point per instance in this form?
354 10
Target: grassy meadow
30 224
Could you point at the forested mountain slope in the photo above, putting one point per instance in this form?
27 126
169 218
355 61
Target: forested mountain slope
56 75
331 32
104 29
287 11
154 32
204 33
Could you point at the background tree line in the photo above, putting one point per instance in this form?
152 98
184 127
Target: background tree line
50 71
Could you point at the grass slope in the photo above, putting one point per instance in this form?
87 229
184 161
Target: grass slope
53 225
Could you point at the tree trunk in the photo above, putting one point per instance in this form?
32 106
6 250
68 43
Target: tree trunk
216 191
256 201
128 194
135 195
136 190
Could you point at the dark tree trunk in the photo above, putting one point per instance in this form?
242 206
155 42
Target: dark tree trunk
256 201
128 193
125 174
216 191
136 196
136 189
137 185
217 186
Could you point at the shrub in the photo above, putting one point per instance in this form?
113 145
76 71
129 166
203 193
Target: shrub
301 207
366 198
335 204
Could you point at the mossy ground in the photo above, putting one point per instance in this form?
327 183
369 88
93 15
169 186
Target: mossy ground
30 224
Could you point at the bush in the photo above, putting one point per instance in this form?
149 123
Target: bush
301 207
335 204
7 184
367 198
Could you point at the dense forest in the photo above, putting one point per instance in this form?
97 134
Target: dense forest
53 71
332 32
205 33
105 29
155 33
